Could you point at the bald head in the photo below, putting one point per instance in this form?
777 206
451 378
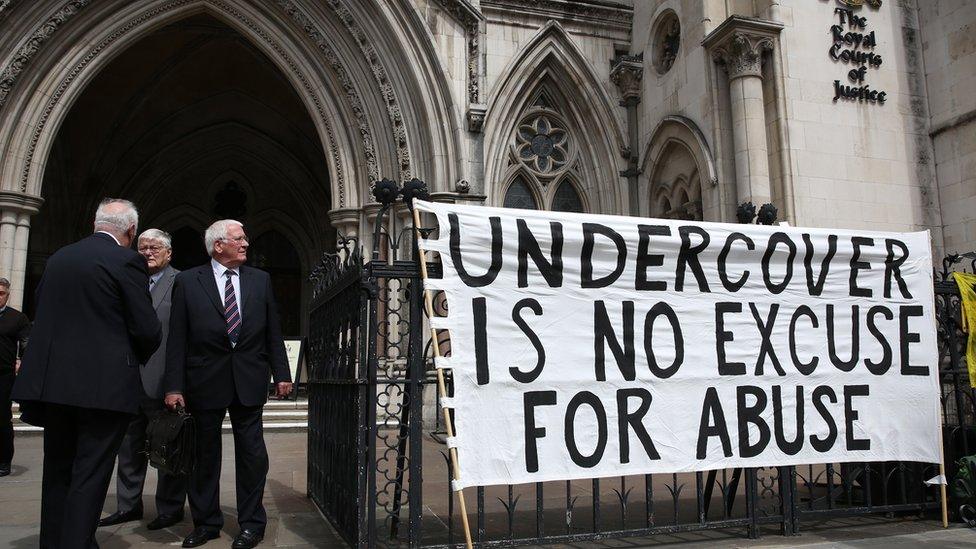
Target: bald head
119 218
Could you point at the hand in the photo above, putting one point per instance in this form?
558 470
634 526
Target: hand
17 366
283 389
174 399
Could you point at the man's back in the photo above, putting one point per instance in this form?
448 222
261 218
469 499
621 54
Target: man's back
94 325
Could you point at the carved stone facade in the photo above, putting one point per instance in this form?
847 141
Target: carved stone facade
705 105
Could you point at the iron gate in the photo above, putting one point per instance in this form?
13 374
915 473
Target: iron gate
378 468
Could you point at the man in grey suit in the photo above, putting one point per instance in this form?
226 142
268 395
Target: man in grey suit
156 246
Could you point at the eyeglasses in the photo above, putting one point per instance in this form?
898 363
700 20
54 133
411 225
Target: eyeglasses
242 238
154 249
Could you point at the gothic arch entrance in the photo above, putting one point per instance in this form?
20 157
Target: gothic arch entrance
193 123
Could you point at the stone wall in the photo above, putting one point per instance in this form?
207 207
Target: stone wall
948 45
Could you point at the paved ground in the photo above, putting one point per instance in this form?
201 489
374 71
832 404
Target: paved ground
294 522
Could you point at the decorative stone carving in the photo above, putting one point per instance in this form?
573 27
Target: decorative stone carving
352 95
541 144
476 117
742 53
33 43
626 74
382 80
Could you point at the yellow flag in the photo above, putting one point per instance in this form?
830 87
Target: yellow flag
966 284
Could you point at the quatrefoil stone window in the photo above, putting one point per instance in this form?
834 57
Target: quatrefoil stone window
541 144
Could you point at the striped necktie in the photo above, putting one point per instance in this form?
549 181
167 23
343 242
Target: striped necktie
231 313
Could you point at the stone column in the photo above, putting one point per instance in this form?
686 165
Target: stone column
738 44
346 222
626 73
16 210
742 58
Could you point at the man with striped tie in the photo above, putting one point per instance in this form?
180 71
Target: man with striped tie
224 340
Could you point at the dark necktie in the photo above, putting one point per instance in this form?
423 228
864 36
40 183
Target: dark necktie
231 313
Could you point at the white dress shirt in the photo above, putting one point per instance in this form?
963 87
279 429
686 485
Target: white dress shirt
154 279
221 279
110 234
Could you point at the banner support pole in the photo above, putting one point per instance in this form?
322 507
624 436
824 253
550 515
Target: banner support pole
441 385
942 471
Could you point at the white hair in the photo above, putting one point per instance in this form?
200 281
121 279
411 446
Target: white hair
218 231
120 221
157 234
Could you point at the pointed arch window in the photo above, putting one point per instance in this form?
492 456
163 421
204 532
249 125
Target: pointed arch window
519 195
566 198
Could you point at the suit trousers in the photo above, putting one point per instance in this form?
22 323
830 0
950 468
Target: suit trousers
6 419
250 460
80 445
133 463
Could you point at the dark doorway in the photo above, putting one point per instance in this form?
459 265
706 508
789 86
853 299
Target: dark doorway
273 253
188 248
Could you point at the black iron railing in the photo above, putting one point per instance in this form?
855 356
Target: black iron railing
378 467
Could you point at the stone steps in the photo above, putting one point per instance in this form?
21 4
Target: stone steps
279 416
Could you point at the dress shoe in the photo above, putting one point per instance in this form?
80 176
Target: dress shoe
120 517
248 539
4 469
199 536
164 521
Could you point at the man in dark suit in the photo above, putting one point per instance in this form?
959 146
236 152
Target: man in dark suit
14 329
224 339
157 247
79 376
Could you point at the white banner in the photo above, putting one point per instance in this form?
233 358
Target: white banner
591 346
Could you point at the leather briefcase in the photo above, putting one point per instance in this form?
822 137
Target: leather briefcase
171 442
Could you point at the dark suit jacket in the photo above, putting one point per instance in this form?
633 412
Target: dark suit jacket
155 367
200 362
94 326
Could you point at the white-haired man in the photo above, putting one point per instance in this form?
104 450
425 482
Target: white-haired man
157 247
79 376
224 340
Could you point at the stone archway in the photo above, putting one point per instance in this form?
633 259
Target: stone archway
366 74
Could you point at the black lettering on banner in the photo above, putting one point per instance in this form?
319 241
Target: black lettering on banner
635 420
879 368
907 338
766 334
528 246
774 240
530 400
805 368
531 375
788 447
815 288
480 315
850 416
844 365
662 308
723 258
722 335
688 257
751 414
858 265
588 398
590 230
713 425
824 444
645 260
604 334
496 252
893 267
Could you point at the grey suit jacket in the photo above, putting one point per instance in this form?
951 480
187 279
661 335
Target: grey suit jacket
152 371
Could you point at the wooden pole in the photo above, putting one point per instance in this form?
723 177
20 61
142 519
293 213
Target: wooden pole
441 386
